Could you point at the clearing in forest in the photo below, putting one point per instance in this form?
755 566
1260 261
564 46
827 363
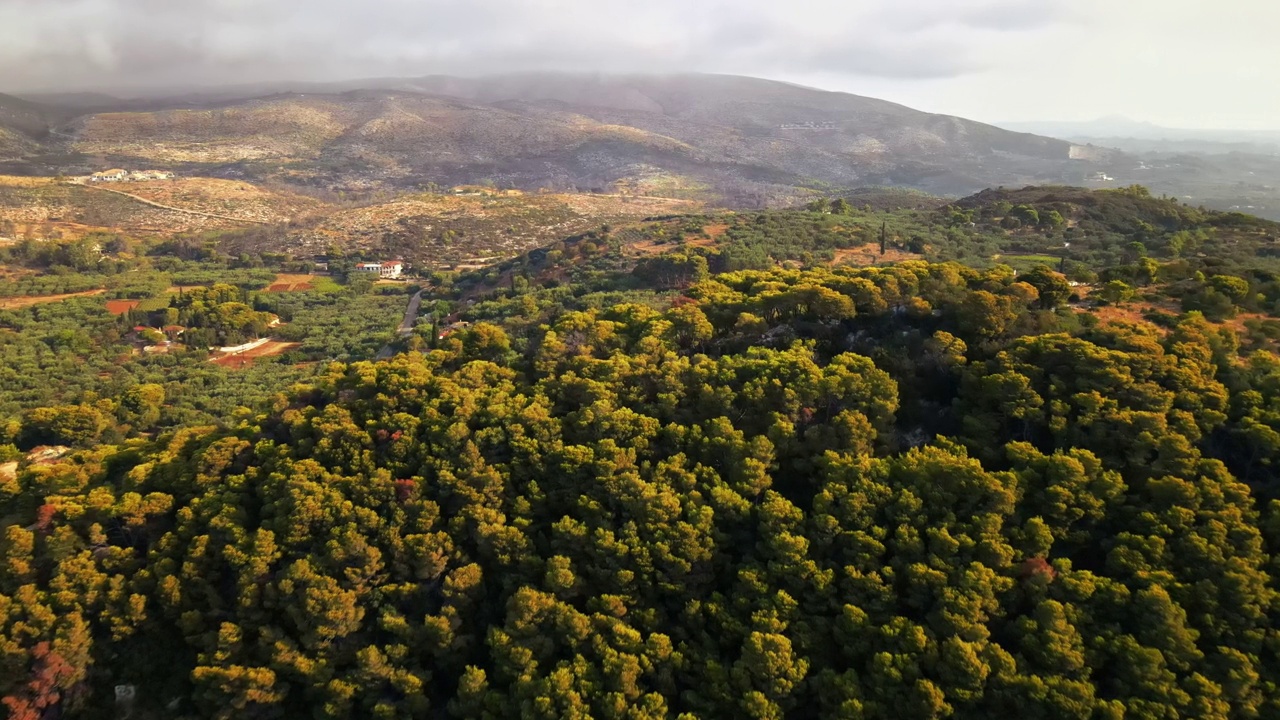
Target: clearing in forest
247 358
869 254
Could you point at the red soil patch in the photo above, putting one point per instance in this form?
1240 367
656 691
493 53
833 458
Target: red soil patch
245 359
120 307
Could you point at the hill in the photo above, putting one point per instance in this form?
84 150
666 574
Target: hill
23 125
738 140
691 485
461 228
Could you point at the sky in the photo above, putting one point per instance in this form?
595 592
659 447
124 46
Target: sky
1178 63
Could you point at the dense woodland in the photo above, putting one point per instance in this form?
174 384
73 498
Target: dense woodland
689 485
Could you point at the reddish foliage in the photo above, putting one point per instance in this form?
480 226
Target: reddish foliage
44 516
405 489
397 435
50 672
681 301
1038 567
382 435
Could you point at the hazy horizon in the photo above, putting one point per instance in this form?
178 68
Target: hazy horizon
1177 64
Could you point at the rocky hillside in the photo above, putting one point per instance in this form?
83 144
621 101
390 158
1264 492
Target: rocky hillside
737 140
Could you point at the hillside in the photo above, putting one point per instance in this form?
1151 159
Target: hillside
682 468
736 140
23 125
42 208
1117 223
469 228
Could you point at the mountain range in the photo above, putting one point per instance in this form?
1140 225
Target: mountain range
734 138
730 140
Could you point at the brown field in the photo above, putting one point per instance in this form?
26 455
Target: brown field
28 300
120 307
245 359
285 282
1130 312
869 254
715 231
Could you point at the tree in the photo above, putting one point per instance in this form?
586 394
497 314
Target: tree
140 405
1053 287
1116 292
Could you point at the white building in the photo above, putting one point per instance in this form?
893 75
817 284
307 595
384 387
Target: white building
109 176
390 269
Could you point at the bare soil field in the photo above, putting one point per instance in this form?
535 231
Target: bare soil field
120 307
29 300
286 282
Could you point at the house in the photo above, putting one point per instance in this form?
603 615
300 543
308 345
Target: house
452 328
116 175
389 269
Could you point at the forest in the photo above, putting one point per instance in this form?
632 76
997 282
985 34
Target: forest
681 485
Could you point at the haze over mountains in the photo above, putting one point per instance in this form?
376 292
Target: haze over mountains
733 140
1122 132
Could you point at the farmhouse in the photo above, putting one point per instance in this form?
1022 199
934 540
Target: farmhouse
389 269
116 175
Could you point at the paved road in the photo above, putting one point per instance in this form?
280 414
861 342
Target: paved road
153 203
406 326
411 314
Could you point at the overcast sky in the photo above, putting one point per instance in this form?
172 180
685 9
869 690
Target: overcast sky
1188 63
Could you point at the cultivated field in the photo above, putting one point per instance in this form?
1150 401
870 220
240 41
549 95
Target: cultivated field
285 282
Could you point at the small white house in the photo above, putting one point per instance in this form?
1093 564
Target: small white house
390 269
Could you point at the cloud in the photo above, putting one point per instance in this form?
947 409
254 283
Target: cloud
1183 62
86 43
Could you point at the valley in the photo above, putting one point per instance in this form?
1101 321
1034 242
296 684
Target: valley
625 397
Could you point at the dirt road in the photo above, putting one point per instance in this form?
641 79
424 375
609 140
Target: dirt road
170 208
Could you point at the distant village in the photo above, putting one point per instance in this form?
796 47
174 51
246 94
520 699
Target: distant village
119 175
